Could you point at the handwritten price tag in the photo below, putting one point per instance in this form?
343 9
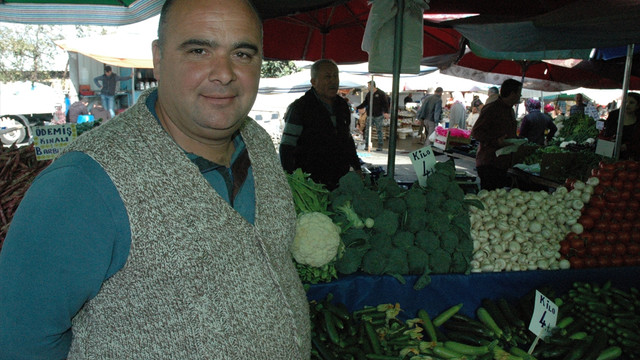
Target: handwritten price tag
545 315
423 161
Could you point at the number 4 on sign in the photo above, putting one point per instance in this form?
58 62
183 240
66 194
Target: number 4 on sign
545 315
423 162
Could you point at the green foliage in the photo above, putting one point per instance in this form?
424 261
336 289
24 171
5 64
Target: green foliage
388 187
380 241
449 241
438 182
350 184
446 168
351 259
438 222
460 263
348 214
403 239
415 198
434 199
314 275
354 237
455 192
415 220
277 68
578 128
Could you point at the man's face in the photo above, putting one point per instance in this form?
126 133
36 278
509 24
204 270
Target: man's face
579 99
327 81
514 97
208 69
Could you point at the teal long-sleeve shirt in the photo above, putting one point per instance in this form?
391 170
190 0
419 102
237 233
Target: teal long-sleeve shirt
71 233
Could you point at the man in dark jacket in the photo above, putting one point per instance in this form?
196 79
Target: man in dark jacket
76 109
107 84
316 135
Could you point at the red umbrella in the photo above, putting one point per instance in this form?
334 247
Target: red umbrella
574 77
336 32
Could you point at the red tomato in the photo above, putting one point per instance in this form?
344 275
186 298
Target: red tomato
633 249
576 262
599 238
617 261
568 183
606 216
590 262
630 215
626 227
622 175
619 249
611 237
564 247
633 165
633 204
614 226
625 195
624 237
576 243
606 165
586 222
607 249
598 190
604 261
617 183
631 177
618 215
630 260
593 212
636 195
597 201
612 196
621 205
605 174
635 236
595 250
595 172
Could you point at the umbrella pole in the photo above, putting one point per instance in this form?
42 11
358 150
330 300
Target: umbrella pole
370 117
625 89
397 61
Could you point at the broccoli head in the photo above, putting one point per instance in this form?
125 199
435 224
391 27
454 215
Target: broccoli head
397 262
418 260
351 260
350 183
448 241
438 182
338 199
380 241
447 168
438 222
460 263
439 261
434 199
374 262
455 192
396 204
403 239
354 237
367 204
415 220
388 187
386 222
427 240
352 219
415 198
453 208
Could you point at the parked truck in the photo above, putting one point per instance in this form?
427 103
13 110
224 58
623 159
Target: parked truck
24 105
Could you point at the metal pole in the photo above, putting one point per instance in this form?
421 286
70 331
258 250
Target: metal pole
625 89
370 117
397 63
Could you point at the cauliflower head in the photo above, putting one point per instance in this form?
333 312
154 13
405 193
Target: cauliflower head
317 239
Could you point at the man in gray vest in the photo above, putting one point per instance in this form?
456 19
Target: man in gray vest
177 223
430 113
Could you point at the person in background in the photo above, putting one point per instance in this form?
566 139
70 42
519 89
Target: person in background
67 104
408 99
496 123
473 117
476 102
630 143
493 93
430 114
536 126
59 117
378 114
458 112
316 136
76 109
100 112
107 85
578 108
179 218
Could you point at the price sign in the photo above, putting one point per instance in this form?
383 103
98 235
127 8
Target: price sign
545 315
49 140
423 161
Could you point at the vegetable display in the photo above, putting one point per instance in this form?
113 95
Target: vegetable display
18 168
594 322
610 222
394 231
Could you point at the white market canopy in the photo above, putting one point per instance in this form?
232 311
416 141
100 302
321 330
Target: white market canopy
127 51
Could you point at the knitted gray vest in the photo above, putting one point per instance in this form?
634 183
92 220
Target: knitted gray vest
200 282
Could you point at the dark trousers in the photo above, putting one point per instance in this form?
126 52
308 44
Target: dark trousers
492 178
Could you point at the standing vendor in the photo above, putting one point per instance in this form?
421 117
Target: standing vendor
107 84
496 123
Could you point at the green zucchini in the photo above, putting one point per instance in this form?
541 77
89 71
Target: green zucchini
446 315
466 349
428 325
485 318
610 353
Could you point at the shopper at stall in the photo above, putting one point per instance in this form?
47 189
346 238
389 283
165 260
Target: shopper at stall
379 112
496 124
316 135
76 109
430 114
107 85
473 117
458 112
630 143
578 108
178 218
493 93
99 112
537 127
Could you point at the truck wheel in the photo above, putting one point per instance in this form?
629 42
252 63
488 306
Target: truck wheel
12 131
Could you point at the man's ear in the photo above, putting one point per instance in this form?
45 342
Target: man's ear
157 55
